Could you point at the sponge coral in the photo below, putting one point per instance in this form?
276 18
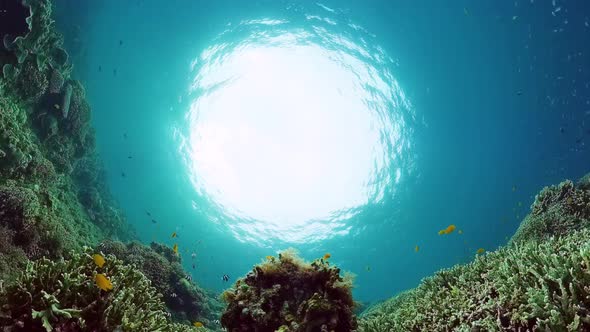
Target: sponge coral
62 296
288 294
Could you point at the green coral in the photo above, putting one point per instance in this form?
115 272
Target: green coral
538 282
62 295
161 265
557 210
288 294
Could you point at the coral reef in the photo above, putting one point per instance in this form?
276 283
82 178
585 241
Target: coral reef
557 211
288 294
62 296
540 282
161 265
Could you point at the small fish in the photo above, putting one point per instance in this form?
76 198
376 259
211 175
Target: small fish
480 251
100 69
216 321
194 255
465 11
269 257
115 72
102 282
198 324
368 268
519 92
173 235
460 231
98 260
125 135
225 278
173 295
129 157
514 17
513 188
56 106
193 266
188 277
519 204
148 213
120 43
447 230
175 248
416 248
123 174
154 221
327 256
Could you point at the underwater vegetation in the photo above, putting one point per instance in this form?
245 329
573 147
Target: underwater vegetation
68 295
539 282
186 301
285 293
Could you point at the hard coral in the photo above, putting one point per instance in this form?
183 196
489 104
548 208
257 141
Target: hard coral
526 287
288 294
557 210
186 301
61 295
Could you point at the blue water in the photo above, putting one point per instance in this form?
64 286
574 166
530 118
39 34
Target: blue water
492 103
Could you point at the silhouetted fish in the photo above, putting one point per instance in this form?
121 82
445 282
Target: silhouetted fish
100 69
123 174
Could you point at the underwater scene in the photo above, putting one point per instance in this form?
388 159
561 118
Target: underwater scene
294 165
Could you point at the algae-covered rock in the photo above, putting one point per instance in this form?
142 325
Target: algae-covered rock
288 294
62 295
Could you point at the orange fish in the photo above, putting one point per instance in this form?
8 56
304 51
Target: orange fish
175 248
327 255
480 251
173 235
447 230
98 260
198 324
102 282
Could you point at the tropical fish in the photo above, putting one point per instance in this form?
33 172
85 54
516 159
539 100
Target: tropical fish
175 248
327 255
368 268
194 255
460 231
102 282
513 188
269 257
417 248
198 324
193 265
480 251
56 106
154 221
173 295
447 230
98 260
173 235
225 277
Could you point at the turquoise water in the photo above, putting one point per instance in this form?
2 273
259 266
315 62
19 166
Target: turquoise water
358 128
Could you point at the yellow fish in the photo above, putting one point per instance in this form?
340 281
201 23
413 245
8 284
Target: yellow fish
269 257
198 324
175 248
480 251
327 255
173 235
98 260
447 230
102 282
417 248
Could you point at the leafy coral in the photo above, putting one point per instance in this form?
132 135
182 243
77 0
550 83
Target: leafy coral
62 296
288 294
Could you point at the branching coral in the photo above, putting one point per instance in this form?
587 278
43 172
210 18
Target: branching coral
288 294
527 287
62 296
160 265
557 210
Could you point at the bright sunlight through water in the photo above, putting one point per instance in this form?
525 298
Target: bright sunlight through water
294 129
